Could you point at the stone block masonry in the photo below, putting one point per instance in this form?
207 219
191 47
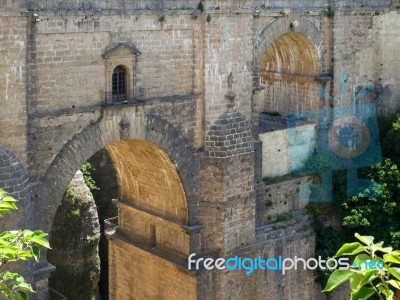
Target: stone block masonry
181 105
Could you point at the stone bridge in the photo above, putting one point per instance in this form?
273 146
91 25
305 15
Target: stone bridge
173 92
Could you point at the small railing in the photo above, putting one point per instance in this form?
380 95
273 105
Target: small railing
115 98
54 295
110 225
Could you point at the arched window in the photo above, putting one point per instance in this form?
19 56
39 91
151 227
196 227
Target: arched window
119 77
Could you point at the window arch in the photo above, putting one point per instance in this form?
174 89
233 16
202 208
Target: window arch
119 84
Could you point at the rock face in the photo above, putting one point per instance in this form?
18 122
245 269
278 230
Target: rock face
75 243
105 177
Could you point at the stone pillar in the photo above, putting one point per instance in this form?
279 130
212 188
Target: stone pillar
228 210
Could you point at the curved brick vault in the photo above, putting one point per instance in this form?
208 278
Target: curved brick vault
148 178
291 53
280 27
288 67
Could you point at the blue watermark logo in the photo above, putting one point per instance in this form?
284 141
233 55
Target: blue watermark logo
347 138
249 265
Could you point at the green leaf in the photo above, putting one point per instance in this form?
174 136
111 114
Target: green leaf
387 292
361 257
41 241
355 281
366 278
394 283
362 294
337 278
350 249
362 261
27 233
391 258
36 252
25 286
8 205
22 295
378 247
367 240
395 272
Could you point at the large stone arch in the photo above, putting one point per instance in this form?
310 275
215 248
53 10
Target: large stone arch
287 63
107 131
279 27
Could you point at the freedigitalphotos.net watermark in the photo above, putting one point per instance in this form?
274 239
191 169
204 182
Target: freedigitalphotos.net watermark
348 139
249 265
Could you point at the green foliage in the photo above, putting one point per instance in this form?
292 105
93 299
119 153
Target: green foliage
285 12
374 210
329 237
329 12
256 13
161 18
265 5
381 280
283 218
87 170
269 203
316 163
390 137
208 19
294 24
377 209
200 6
277 179
17 245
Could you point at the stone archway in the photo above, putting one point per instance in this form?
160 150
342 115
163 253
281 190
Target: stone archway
287 61
153 165
106 132
288 71
148 179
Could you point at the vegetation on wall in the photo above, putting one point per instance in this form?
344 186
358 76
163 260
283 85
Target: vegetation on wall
375 271
17 245
200 6
373 211
74 238
87 170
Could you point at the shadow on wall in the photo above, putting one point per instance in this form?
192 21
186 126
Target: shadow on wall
288 70
80 247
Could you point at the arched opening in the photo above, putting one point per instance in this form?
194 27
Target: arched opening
149 239
119 84
288 71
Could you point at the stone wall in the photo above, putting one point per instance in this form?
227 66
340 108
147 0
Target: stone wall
366 44
161 277
287 150
69 49
272 285
280 199
54 116
13 111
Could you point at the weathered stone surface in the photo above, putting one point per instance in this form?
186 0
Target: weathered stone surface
53 114
74 240
104 175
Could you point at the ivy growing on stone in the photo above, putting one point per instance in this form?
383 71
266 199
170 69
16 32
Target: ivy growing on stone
87 170
17 245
